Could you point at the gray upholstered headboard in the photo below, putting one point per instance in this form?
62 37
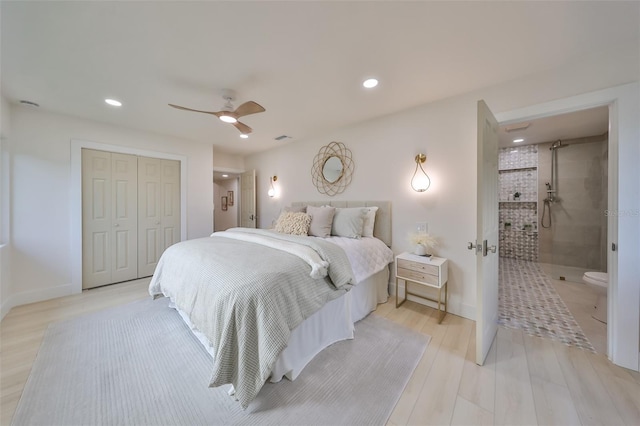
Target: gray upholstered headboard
382 228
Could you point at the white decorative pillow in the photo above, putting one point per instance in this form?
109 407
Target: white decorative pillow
348 222
369 221
321 220
293 223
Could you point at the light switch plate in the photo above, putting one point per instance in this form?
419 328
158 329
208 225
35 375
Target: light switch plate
422 227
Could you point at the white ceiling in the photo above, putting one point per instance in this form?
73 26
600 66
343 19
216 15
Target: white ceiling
579 124
303 61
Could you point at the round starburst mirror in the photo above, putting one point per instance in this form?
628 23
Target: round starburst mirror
332 169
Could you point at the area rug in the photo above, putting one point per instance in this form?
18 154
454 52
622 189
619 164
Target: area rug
138 364
527 301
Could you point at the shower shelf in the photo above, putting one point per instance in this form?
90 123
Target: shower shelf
515 169
519 230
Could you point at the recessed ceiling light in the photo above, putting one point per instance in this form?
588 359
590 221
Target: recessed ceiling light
113 102
518 140
243 136
225 175
370 83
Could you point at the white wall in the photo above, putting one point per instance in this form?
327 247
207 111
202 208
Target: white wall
383 154
5 236
383 151
223 161
40 194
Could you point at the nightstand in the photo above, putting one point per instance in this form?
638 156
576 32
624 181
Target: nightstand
426 271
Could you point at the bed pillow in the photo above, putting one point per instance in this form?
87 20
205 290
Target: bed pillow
369 221
321 220
348 222
293 223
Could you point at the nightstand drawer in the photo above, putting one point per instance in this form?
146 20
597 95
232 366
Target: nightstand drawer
417 276
419 267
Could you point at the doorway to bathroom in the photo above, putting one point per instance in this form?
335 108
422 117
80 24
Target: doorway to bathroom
553 180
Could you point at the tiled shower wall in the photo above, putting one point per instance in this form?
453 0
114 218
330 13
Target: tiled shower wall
518 217
578 234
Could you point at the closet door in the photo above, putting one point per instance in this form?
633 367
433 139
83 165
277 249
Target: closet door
109 218
124 207
96 218
158 210
170 202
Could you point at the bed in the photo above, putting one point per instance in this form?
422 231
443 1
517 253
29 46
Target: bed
266 318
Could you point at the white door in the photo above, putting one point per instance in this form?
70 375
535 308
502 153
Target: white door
170 203
248 217
109 218
487 232
149 215
96 218
159 210
124 207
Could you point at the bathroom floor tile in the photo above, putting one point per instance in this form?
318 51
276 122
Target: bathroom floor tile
528 301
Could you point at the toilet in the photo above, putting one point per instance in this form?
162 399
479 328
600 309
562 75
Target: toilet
596 278
600 279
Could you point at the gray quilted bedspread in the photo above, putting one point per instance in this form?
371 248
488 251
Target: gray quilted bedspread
246 298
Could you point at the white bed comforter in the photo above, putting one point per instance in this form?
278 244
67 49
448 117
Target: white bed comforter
367 255
246 297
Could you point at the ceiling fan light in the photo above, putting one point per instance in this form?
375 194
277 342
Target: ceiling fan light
228 118
113 102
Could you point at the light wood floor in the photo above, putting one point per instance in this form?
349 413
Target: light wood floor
526 380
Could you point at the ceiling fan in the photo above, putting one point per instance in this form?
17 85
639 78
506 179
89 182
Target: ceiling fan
230 115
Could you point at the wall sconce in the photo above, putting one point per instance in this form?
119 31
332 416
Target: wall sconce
272 191
420 182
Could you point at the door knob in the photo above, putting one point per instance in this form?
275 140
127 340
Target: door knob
157 223
477 247
117 224
487 248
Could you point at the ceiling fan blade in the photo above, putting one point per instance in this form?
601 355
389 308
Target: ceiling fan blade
193 110
248 108
244 129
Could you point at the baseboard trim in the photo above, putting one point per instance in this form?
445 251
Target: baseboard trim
33 296
5 308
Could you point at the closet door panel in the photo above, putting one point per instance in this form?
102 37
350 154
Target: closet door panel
124 195
150 217
170 202
96 218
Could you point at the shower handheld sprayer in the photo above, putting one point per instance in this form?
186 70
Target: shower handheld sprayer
551 197
546 211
